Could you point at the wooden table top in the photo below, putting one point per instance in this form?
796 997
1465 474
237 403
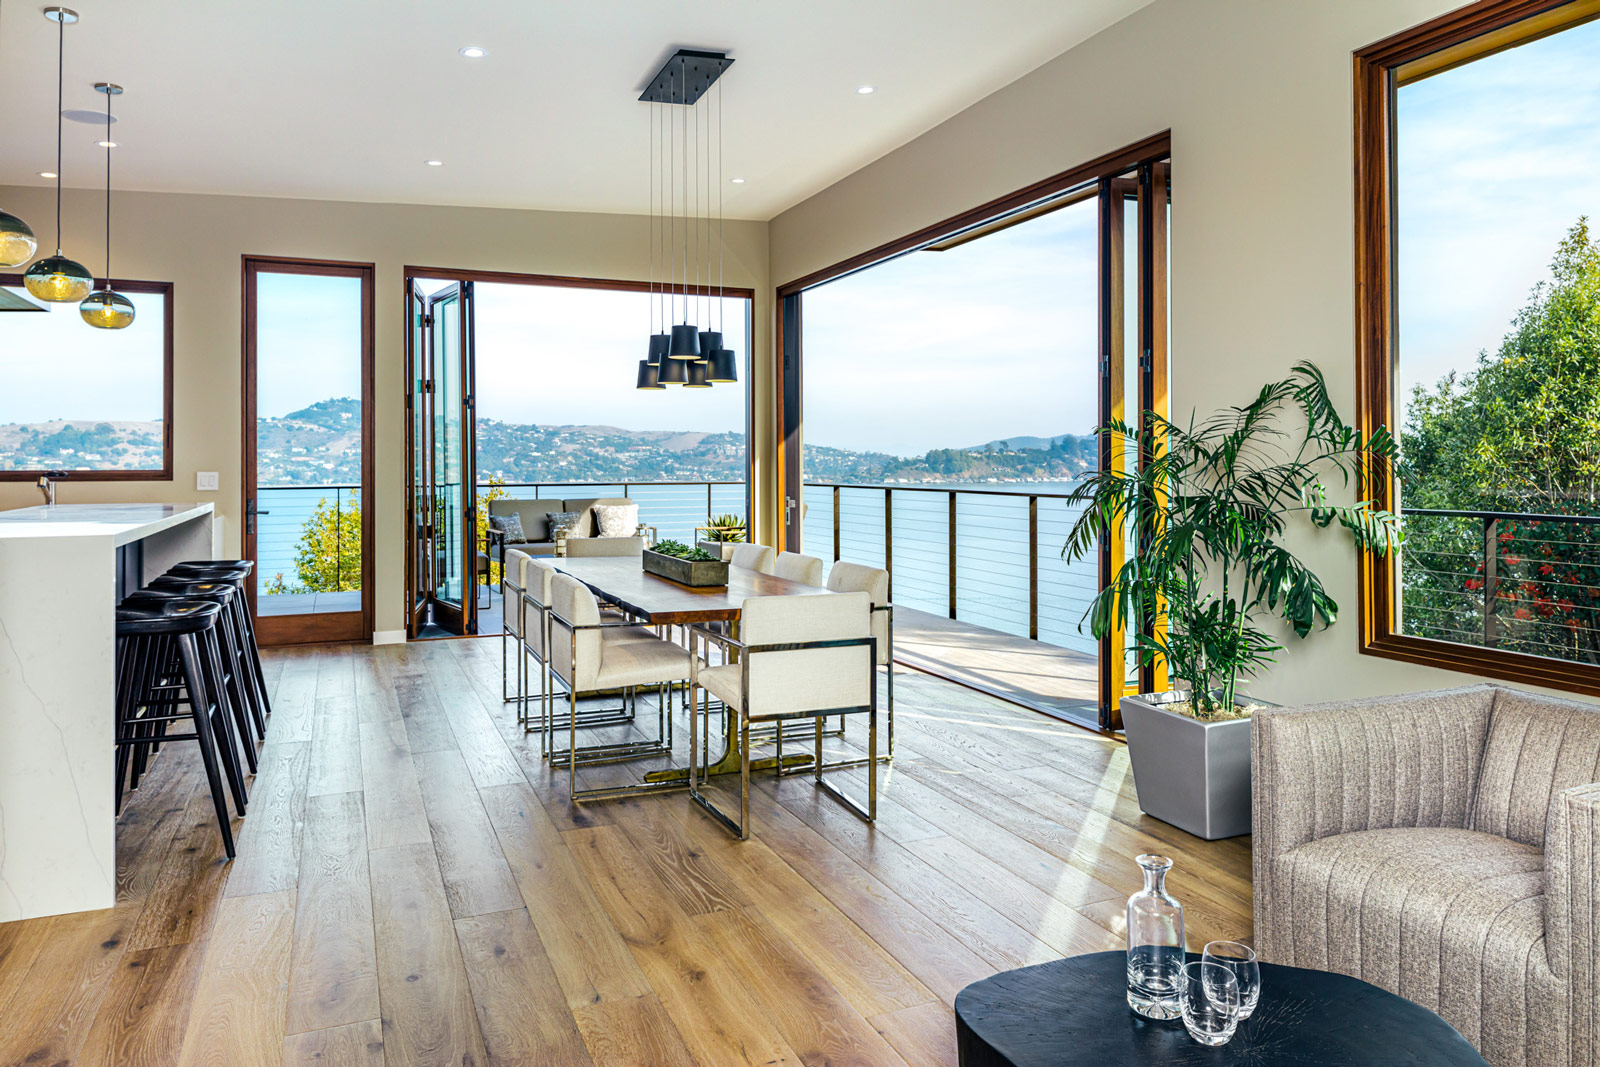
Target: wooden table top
660 601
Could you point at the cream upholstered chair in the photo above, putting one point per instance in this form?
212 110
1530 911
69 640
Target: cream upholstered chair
578 547
845 577
513 621
798 568
1446 847
538 581
798 657
752 558
588 654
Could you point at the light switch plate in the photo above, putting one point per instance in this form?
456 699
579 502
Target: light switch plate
205 481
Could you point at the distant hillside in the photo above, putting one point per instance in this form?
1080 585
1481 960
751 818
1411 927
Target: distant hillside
320 445
81 443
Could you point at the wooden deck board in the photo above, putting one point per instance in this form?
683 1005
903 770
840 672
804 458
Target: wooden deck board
414 887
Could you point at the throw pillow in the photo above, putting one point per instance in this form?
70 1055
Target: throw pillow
565 520
617 520
511 526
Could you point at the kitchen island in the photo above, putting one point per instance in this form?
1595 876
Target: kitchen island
63 567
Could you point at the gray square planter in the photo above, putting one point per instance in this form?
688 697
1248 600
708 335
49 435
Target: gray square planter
703 573
1192 774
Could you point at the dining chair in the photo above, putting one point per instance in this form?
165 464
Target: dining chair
799 657
798 568
538 578
513 622
846 577
752 558
589 654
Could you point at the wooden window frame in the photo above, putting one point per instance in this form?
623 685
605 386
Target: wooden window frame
1452 40
164 474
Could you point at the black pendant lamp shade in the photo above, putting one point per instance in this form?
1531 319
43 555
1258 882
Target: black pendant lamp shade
710 341
17 242
659 343
104 308
674 372
58 279
697 377
724 366
685 342
647 375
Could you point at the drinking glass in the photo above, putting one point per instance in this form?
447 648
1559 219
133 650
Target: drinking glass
1241 960
1210 1002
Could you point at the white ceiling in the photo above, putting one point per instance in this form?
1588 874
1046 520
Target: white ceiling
345 99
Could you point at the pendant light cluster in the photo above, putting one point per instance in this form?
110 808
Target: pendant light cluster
686 223
58 279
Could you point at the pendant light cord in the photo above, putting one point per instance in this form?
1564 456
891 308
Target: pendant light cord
108 188
61 84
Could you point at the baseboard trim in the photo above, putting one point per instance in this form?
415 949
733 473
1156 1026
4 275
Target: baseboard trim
388 637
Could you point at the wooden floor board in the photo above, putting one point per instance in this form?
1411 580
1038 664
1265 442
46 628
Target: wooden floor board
413 887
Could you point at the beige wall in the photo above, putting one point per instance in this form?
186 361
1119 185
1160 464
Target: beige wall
196 242
1257 94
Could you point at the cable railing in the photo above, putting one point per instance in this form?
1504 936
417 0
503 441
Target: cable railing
988 557
308 539
1518 581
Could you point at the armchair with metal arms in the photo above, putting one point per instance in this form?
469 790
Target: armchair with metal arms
798 657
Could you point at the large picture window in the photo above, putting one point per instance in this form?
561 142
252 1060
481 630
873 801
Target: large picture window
96 404
1480 174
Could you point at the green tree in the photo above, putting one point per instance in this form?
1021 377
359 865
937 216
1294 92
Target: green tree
328 557
1520 432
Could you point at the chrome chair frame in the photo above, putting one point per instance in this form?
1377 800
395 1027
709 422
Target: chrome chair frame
618 752
546 724
741 828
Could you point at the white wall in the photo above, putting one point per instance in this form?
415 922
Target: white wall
1258 96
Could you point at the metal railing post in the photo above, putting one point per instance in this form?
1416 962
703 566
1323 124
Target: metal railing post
888 537
1491 580
708 500
338 537
1033 568
952 531
836 545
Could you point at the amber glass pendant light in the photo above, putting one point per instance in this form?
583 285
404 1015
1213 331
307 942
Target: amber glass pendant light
57 279
105 308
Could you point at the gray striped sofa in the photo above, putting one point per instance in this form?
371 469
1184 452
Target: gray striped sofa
1444 846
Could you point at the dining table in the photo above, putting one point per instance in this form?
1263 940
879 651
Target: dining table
655 601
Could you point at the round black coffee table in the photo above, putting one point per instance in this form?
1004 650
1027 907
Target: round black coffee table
1074 1011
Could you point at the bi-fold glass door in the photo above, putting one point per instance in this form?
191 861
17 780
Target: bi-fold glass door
1078 266
442 507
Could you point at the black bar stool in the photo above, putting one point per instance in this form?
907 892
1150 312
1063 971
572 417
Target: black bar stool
235 643
148 699
236 691
236 572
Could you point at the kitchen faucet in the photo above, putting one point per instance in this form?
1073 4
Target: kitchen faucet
47 485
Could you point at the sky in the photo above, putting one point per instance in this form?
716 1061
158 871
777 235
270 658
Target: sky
115 375
308 341
988 340
1496 160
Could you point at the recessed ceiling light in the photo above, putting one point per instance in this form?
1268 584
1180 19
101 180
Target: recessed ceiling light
105 144
434 162
737 181
472 51
47 174
866 90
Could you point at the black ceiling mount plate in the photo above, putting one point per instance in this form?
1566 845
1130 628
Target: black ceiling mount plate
685 77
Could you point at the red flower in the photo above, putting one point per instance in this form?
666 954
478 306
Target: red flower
1546 569
1512 560
1475 584
1522 613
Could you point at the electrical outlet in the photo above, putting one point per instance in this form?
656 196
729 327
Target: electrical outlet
205 481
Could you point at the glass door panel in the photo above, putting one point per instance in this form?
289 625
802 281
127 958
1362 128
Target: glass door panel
453 507
419 507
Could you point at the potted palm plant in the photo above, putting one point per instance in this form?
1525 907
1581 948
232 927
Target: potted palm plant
1210 507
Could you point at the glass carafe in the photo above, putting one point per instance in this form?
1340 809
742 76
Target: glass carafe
1155 944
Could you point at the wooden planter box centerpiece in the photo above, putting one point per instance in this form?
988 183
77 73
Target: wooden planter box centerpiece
697 573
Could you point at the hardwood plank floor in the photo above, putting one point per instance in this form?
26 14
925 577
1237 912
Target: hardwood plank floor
414 888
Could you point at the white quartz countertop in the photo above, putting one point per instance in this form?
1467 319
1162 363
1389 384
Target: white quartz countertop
123 523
